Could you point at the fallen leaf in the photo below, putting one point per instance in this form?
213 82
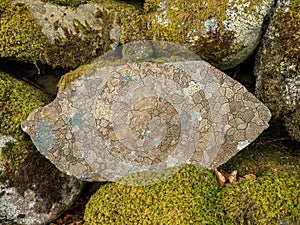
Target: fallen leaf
232 178
249 176
220 177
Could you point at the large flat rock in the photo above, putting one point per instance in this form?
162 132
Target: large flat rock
145 116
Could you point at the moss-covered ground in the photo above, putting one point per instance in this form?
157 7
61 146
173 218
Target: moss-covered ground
273 197
189 197
192 196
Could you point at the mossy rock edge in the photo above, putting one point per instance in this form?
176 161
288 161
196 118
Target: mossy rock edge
32 190
278 66
192 196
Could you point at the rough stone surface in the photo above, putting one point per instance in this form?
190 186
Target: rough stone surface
32 190
53 18
278 66
61 36
29 208
121 119
224 33
3 140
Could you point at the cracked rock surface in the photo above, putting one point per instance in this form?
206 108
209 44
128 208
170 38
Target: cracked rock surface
145 117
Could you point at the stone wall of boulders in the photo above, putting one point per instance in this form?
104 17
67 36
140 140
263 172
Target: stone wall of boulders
62 34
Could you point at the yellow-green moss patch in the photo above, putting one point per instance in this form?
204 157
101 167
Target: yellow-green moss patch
270 199
4 4
186 198
73 3
259 158
130 18
20 37
23 164
192 195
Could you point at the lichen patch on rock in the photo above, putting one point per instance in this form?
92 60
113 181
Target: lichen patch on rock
116 120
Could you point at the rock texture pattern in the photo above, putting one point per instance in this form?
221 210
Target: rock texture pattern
55 19
32 190
61 36
223 33
116 120
278 66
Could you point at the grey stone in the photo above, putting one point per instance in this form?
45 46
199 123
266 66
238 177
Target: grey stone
278 66
117 120
29 208
225 33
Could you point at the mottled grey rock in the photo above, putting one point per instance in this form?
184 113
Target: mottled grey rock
224 33
145 116
278 66
29 208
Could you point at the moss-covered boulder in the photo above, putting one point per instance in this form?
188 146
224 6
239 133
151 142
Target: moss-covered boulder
72 3
259 158
223 33
20 37
278 66
61 33
32 190
189 197
271 198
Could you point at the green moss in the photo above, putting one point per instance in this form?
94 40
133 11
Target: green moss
20 37
188 197
78 48
282 61
292 123
258 158
86 43
151 5
286 53
183 22
23 164
213 47
17 100
4 5
130 18
269 199
72 3
182 17
66 79
272 198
